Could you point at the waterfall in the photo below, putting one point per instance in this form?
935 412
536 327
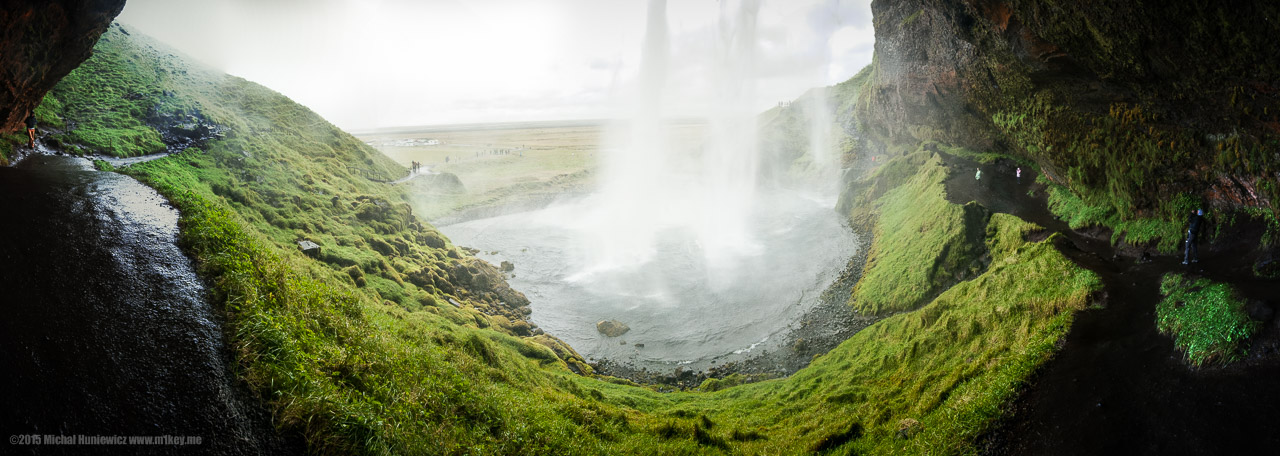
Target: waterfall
647 189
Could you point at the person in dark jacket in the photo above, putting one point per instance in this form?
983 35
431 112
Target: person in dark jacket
1192 253
31 129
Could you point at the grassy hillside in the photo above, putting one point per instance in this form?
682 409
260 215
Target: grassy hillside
915 223
361 347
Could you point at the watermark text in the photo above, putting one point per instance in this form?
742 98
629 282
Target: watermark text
82 439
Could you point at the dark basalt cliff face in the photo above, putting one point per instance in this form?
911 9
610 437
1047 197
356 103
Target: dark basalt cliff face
40 42
1126 102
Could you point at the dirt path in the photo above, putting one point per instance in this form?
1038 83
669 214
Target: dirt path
121 162
106 331
1118 386
426 171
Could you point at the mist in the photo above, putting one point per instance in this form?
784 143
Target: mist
366 65
679 238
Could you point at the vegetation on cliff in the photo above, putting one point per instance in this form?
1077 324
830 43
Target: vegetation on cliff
392 341
914 222
1114 102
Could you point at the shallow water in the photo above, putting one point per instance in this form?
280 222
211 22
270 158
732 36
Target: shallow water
687 304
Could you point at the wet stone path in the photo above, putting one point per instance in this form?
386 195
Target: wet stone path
105 329
1118 386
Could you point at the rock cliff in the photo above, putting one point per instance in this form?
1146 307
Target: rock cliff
42 41
1126 102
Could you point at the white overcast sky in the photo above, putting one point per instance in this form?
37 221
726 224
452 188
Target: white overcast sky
382 63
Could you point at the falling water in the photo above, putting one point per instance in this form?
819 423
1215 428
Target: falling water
730 162
820 127
627 212
678 242
648 188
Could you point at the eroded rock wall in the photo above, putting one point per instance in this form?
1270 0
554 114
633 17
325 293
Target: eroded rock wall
40 42
1134 100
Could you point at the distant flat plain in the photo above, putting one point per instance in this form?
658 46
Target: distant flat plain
507 164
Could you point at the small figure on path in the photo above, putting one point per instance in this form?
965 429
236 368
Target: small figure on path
1192 253
978 176
446 159
31 129
1019 173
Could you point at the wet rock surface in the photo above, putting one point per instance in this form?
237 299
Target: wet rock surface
106 329
612 328
42 41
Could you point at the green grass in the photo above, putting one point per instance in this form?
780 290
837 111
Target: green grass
1166 232
951 365
9 143
109 100
1206 319
354 376
360 351
921 244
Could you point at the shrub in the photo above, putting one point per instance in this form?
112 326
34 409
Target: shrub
1205 318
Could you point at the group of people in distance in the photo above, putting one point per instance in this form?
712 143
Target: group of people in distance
1191 251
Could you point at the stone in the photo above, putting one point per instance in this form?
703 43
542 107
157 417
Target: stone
907 428
612 328
507 266
1267 266
42 41
309 248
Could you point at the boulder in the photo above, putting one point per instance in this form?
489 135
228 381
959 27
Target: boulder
41 42
1267 266
908 428
309 248
612 328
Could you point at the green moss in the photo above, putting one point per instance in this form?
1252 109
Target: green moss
102 165
1206 319
912 18
1166 233
1128 156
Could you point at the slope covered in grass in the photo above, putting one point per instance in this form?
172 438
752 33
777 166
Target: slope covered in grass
392 341
927 381
922 244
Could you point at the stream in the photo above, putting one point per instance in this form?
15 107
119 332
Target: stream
107 331
1118 386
